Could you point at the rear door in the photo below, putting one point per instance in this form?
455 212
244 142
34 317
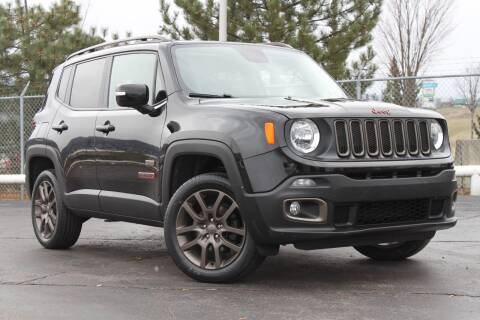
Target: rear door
128 155
81 95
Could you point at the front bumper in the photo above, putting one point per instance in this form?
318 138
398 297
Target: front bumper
344 196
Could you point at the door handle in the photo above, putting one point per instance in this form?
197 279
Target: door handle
106 128
62 126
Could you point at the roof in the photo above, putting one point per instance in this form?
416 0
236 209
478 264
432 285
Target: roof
118 43
147 41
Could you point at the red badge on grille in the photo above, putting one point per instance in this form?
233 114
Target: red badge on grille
380 112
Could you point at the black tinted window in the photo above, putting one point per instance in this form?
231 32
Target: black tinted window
87 84
132 69
63 86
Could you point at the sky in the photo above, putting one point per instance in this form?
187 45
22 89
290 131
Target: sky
460 50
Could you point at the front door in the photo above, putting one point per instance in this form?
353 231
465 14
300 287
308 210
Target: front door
127 143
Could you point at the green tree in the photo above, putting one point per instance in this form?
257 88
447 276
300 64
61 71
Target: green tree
393 91
33 42
328 30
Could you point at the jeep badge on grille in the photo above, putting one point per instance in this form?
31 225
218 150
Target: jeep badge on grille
380 112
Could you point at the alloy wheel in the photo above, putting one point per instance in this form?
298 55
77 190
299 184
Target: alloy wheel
45 208
210 230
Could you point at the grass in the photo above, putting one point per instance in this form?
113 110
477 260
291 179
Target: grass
458 119
459 128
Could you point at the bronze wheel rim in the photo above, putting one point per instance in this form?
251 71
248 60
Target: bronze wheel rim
45 210
210 230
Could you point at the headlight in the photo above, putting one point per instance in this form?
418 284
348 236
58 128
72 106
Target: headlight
436 135
304 135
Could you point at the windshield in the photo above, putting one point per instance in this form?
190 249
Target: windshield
247 71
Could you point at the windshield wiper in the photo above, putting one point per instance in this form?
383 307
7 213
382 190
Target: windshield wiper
337 99
309 102
208 95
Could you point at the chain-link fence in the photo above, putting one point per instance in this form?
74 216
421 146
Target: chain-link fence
454 96
431 92
16 123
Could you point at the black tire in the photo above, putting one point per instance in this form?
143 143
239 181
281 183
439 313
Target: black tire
246 261
67 227
393 252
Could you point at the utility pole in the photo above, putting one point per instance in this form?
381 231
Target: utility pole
27 24
26 7
222 32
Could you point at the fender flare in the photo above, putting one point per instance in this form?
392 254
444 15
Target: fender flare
211 148
236 175
48 152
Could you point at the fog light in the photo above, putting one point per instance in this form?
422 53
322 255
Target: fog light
295 208
302 183
311 210
453 205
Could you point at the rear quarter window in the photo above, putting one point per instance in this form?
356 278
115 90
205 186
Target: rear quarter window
63 85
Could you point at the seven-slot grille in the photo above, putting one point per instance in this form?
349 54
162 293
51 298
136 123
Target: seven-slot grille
386 137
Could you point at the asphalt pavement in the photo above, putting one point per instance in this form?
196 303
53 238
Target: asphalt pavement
123 271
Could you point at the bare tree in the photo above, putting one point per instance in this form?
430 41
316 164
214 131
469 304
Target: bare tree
411 32
469 87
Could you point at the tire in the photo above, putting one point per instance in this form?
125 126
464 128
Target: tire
66 226
393 252
214 256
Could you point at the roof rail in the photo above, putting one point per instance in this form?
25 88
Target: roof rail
279 44
118 43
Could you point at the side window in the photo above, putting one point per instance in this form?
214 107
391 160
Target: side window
136 68
87 84
63 86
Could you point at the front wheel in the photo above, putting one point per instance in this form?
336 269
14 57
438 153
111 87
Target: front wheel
206 234
393 251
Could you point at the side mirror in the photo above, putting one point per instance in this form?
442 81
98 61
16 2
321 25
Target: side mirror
133 96
161 96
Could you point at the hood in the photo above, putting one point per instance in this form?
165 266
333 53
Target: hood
309 108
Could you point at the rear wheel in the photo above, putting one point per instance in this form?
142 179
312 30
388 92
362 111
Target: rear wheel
54 225
206 234
393 251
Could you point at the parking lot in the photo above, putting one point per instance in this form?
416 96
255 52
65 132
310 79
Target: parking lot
122 271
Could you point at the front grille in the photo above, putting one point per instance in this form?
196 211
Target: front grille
372 213
399 137
360 138
342 138
386 138
412 137
372 137
357 138
424 137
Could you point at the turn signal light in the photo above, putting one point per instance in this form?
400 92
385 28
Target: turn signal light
270 132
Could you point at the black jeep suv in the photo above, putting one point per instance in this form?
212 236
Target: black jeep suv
235 149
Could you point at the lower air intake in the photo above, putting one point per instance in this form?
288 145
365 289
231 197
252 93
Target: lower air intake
392 211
